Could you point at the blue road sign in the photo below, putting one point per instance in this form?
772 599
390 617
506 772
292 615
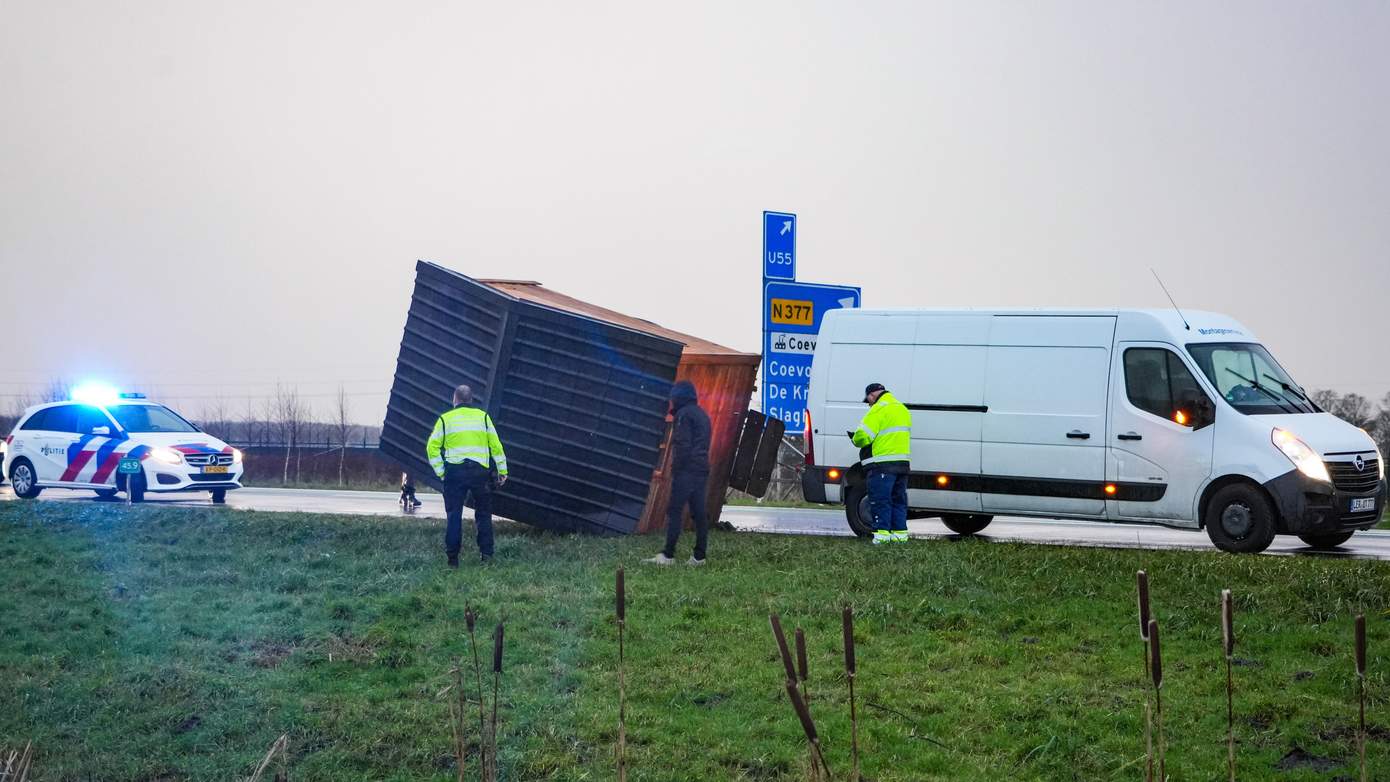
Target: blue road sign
792 313
779 246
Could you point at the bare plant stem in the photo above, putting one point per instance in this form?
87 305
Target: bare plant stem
1148 742
1361 732
1230 722
482 721
456 708
492 756
1158 712
622 709
853 732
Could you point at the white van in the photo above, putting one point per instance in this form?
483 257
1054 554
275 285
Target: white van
1116 415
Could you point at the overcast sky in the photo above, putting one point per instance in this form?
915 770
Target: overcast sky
210 196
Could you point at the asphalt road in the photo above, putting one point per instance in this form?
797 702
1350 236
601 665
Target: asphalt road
1374 544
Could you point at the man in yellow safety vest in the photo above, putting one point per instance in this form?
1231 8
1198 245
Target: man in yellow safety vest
886 432
463 450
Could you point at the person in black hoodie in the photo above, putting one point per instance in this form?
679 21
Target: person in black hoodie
689 473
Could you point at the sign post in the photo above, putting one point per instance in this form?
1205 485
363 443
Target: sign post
130 468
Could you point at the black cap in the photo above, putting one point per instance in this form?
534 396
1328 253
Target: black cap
872 387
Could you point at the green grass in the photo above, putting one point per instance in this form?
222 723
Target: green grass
147 643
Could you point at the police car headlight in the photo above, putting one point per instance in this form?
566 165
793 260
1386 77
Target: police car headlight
1304 458
166 455
236 456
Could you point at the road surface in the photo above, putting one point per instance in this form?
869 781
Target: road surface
792 521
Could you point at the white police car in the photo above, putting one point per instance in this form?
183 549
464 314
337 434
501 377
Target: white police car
79 444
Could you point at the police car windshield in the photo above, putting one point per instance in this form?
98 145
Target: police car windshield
1249 378
149 418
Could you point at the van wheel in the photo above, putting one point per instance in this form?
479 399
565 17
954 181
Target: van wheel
23 480
1326 540
1240 519
857 512
965 523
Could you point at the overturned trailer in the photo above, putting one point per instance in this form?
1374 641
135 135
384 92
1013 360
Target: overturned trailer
578 393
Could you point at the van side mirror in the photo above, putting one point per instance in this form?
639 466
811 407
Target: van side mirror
1195 411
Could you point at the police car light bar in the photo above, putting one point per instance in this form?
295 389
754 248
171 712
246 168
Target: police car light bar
132 395
94 394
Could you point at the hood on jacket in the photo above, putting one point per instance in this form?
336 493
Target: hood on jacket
682 394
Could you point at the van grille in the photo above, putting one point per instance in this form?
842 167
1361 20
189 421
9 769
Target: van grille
1347 478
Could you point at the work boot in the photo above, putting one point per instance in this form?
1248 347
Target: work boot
454 561
659 559
693 562
882 536
900 536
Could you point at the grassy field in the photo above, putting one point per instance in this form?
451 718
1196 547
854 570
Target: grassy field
145 643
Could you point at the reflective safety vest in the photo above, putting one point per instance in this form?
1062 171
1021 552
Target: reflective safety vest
464 434
888 428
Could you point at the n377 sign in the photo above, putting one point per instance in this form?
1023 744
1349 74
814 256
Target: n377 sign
792 314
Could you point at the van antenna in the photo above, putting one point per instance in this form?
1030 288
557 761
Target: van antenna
1170 298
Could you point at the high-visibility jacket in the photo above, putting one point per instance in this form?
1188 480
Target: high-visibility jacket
888 428
465 434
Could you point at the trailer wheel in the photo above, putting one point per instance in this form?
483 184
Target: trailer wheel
965 523
857 512
1240 519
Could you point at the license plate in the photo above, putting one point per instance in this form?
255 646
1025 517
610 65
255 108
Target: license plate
218 469
1361 504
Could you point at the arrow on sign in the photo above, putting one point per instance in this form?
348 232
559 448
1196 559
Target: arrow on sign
847 303
786 227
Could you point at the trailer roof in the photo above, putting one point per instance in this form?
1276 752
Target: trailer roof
534 292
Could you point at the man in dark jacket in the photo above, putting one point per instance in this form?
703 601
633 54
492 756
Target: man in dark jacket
689 473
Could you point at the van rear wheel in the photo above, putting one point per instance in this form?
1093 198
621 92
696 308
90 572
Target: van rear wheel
965 523
1326 540
1240 519
857 511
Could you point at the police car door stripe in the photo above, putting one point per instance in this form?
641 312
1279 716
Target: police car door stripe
107 459
78 456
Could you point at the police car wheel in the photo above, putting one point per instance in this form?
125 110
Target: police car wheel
23 480
965 523
106 494
1240 519
219 496
857 512
1326 540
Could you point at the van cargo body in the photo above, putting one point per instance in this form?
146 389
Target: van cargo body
1112 415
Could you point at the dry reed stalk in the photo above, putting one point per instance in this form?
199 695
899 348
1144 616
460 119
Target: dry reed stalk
847 628
621 609
281 748
786 654
456 709
470 617
1228 646
497 644
1141 579
1156 667
819 769
18 764
801 666
1361 691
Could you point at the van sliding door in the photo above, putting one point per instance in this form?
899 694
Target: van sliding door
1042 448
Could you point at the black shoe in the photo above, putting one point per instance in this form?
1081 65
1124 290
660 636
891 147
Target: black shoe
486 558
416 503
454 561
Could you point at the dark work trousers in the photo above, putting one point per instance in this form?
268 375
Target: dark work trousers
888 500
687 488
460 480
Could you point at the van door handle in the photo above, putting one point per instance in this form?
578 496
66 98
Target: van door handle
1130 436
1077 434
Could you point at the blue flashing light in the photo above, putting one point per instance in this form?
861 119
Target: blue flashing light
92 393
132 395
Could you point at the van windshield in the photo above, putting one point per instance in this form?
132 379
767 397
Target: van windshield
1249 378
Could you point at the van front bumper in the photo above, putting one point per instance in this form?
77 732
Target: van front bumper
1307 506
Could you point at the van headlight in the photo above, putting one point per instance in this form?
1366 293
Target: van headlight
1380 459
1304 458
166 455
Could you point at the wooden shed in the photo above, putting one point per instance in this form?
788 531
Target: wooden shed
723 379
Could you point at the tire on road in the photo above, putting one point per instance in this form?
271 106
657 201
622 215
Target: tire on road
105 494
136 484
965 523
1240 519
219 496
1327 540
24 480
857 513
